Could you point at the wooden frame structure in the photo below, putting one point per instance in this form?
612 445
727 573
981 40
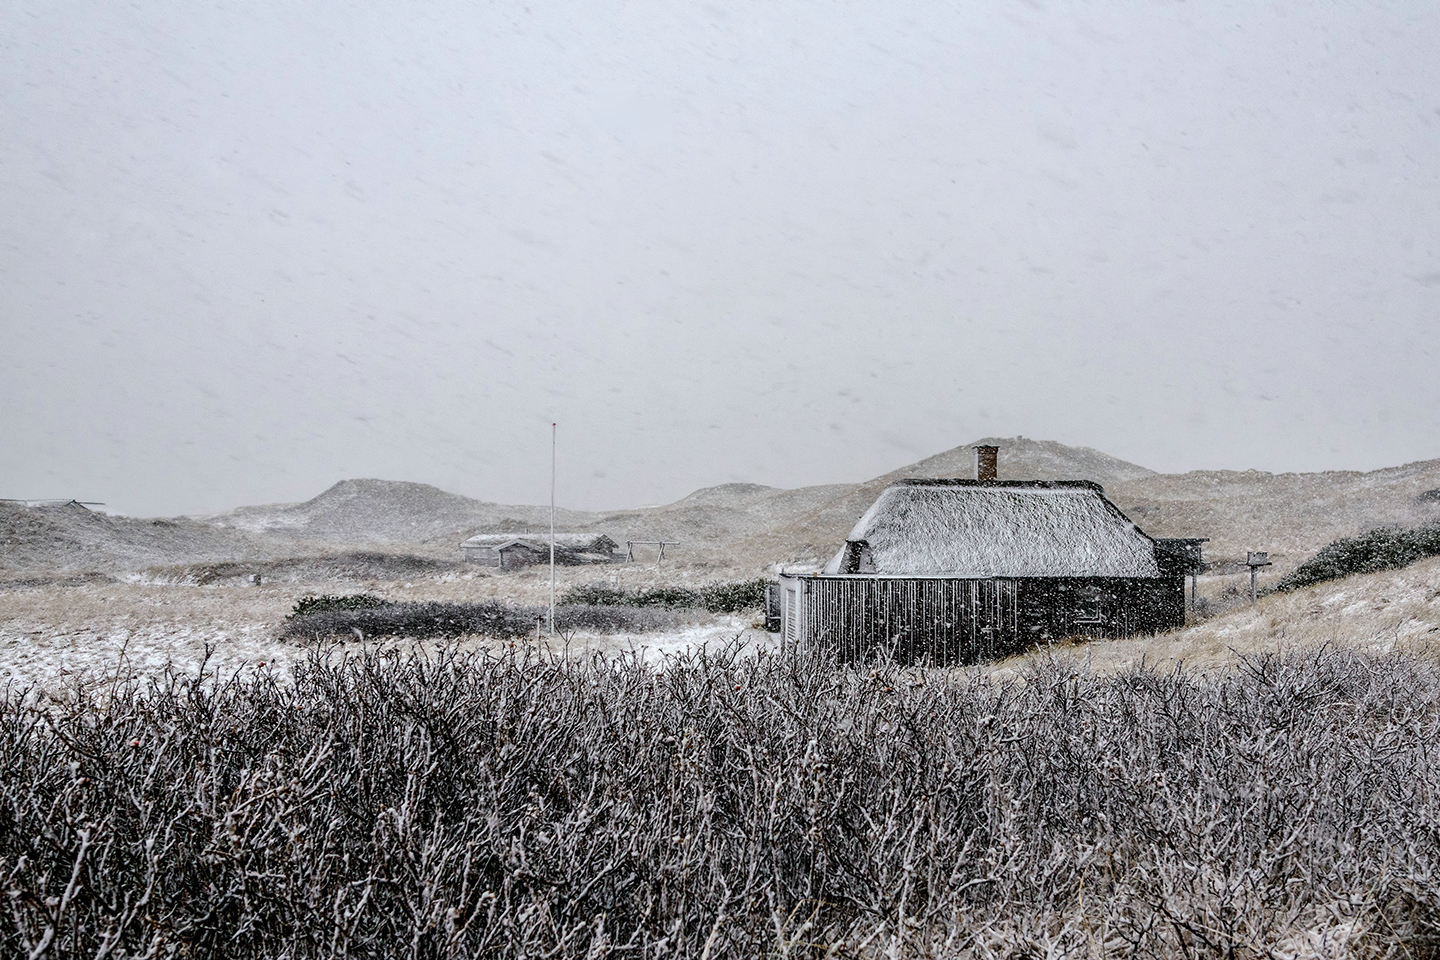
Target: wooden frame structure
662 544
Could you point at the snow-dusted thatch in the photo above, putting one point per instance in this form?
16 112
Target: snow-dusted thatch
968 528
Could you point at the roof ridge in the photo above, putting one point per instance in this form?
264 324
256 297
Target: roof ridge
998 484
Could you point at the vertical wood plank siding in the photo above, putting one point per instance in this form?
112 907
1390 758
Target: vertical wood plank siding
969 621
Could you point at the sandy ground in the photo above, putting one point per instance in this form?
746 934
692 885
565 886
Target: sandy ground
52 637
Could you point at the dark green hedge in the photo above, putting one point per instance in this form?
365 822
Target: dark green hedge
432 620
1383 549
716 597
355 601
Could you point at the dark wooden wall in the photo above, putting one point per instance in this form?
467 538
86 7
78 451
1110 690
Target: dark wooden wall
971 621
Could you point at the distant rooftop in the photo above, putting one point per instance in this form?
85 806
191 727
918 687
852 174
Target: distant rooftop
568 540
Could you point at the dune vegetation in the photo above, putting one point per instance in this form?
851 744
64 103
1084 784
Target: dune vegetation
452 804
1385 548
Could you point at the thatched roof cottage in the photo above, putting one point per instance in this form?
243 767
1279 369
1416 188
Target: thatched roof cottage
960 571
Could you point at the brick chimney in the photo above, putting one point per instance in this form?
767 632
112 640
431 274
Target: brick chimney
985 460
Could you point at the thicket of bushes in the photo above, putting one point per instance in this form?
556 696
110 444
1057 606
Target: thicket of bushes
1382 549
389 806
734 597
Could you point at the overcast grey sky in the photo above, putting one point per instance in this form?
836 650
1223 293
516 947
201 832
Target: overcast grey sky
250 249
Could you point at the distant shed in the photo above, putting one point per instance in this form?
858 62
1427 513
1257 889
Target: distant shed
960 571
508 551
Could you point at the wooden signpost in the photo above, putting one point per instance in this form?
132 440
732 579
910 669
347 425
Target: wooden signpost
1255 561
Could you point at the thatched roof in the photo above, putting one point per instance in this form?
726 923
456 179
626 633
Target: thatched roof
970 528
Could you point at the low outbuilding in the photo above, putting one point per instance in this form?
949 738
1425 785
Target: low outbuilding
508 551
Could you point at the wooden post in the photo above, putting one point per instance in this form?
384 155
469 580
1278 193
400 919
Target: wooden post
1255 560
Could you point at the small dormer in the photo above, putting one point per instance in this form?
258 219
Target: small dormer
858 557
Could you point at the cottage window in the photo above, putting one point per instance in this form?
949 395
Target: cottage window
1089 606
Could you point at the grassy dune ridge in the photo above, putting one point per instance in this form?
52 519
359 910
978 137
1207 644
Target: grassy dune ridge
454 804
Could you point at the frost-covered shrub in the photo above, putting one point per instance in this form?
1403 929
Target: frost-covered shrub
1383 549
734 597
595 595
388 805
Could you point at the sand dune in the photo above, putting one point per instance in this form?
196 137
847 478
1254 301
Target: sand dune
731 529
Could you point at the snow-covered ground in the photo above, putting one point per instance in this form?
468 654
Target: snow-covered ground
54 637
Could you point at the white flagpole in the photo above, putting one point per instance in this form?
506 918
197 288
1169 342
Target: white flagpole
552 529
